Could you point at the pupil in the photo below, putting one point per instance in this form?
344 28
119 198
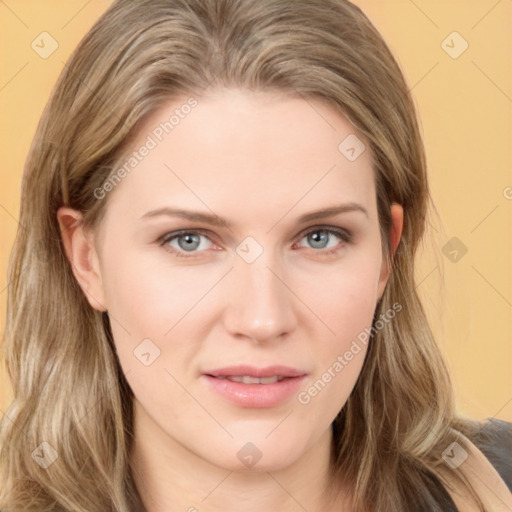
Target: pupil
319 237
190 240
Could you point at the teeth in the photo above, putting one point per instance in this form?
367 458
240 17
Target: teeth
255 380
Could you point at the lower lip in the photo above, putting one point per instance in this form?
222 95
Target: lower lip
255 395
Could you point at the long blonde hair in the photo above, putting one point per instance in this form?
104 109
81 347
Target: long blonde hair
69 389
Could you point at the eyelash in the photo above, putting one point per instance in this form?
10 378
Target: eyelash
344 235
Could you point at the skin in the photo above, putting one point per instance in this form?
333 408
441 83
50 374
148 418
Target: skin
272 159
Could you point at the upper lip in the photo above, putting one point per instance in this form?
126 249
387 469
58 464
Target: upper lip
253 371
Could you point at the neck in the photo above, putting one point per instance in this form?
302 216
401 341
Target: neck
169 476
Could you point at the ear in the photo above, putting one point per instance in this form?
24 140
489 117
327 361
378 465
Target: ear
81 253
397 216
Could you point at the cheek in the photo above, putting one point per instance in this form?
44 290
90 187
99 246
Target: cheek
345 302
170 305
343 298
148 296
348 311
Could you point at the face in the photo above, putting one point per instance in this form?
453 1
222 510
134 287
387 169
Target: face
236 320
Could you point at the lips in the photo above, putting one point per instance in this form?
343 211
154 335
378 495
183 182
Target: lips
250 386
247 379
255 372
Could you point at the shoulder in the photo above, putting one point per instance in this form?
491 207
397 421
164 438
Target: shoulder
494 440
487 466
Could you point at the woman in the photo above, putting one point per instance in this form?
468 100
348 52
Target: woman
225 199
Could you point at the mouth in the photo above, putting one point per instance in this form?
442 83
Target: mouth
254 372
252 387
247 379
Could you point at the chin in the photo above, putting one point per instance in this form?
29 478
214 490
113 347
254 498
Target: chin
265 464
257 456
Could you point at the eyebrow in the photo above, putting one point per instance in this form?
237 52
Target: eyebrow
215 220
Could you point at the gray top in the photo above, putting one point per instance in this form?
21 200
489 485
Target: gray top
494 439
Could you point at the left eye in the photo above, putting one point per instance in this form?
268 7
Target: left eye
182 242
319 237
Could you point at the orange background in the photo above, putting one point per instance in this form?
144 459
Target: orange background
465 104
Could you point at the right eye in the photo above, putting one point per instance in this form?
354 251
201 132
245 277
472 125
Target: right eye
185 243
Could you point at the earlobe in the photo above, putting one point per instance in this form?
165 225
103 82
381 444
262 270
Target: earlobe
81 253
397 216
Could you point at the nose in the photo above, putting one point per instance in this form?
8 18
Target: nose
261 305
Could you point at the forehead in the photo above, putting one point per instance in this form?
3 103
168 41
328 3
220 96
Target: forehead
236 150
